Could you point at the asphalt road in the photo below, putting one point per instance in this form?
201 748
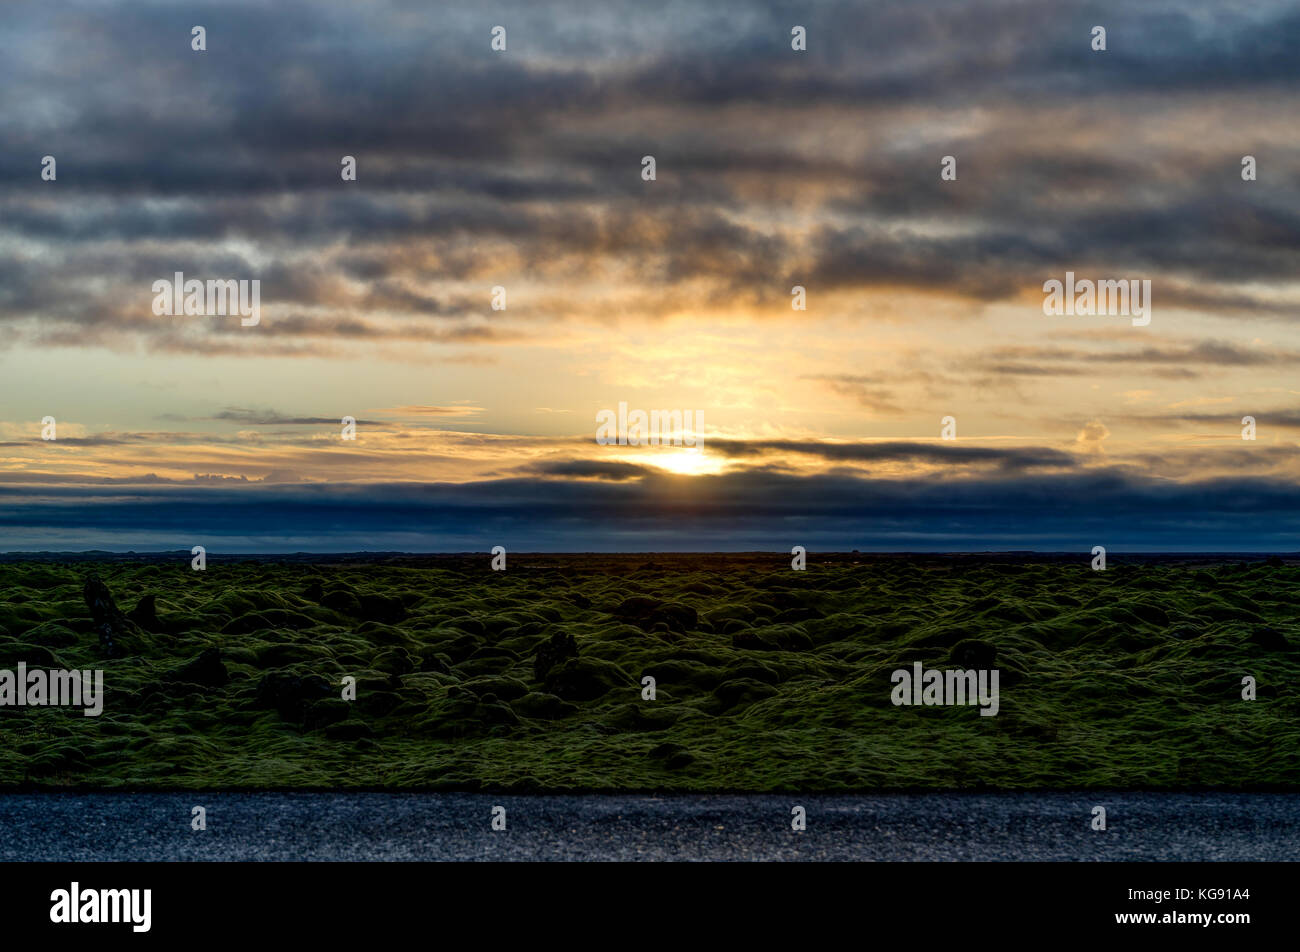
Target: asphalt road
421 826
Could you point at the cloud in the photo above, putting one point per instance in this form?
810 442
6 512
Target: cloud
775 169
752 510
272 418
588 469
865 391
1092 436
460 411
952 454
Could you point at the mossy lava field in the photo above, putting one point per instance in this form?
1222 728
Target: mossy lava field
764 678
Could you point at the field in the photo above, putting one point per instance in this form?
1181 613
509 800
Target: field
767 679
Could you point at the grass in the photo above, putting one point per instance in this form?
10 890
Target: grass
767 679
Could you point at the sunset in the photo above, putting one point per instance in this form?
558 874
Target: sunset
617 435
498 271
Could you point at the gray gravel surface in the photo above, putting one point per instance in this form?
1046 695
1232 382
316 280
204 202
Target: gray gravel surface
423 826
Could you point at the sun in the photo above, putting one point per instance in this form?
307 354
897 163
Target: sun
684 461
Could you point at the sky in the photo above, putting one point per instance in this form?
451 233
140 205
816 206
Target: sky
522 169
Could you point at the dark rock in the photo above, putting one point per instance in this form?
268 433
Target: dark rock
145 613
100 600
314 592
560 647
579 599
206 669
118 635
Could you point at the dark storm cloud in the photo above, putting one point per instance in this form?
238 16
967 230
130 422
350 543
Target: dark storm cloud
753 510
588 468
165 153
272 418
950 454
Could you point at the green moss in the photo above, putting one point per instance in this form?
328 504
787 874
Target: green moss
766 679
